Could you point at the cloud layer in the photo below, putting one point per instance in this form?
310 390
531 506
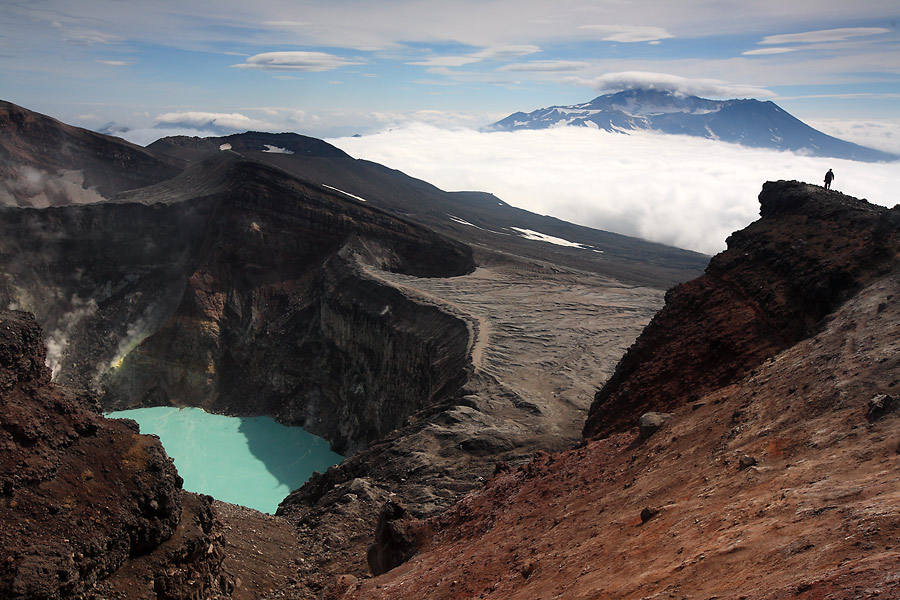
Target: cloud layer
312 62
230 122
627 80
678 190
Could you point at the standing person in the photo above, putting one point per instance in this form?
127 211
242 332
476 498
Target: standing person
828 177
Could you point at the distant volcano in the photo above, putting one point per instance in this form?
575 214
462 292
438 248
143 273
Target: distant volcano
747 122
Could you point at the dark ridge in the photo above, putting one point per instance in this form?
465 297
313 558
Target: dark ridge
34 147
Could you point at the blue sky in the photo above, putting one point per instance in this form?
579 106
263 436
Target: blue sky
340 67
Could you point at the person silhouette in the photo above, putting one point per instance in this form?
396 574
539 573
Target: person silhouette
828 177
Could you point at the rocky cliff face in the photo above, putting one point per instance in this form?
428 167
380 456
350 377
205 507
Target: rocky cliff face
771 288
238 288
88 507
277 317
80 494
99 278
785 454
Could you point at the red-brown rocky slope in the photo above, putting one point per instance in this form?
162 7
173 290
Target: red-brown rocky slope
82 496
779 277
79 493
779 480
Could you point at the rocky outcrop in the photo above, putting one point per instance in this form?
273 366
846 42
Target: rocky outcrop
771 288
46 163
79 494
395 540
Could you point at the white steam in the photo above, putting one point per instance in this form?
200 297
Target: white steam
679 190
58 339
134 335
28 186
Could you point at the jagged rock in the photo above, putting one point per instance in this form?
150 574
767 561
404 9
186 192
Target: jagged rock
648 513
746 461
528 568
650 422
395 540
881 405
339 587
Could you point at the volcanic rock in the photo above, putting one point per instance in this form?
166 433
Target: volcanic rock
771 288
648 513
80 494
881 405
650 422
746 461
394 541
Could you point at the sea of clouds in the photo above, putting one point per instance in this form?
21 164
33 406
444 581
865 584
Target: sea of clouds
678 190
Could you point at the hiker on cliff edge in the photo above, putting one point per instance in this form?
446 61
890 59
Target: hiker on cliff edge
828 177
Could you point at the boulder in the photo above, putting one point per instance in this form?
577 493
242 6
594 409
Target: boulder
650 422
880 406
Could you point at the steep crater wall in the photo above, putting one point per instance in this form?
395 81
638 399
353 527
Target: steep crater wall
98 277
248 300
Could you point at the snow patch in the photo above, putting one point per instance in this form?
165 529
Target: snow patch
463 222
276 150
225 147
343 192
537 236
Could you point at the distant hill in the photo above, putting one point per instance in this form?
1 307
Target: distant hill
747 122
47 163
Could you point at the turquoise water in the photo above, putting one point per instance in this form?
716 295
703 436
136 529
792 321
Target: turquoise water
253 462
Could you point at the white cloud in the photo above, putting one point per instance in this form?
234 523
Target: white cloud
446 61
823 35
507 52
77 36
880 134
761 51
546 65
210 120
612 82
287 24
116 63
491 53
678 190
629 33
296 61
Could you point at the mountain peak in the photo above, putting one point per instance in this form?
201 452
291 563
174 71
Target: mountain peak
749 122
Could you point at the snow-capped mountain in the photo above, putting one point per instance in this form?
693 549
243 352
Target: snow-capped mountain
747 122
